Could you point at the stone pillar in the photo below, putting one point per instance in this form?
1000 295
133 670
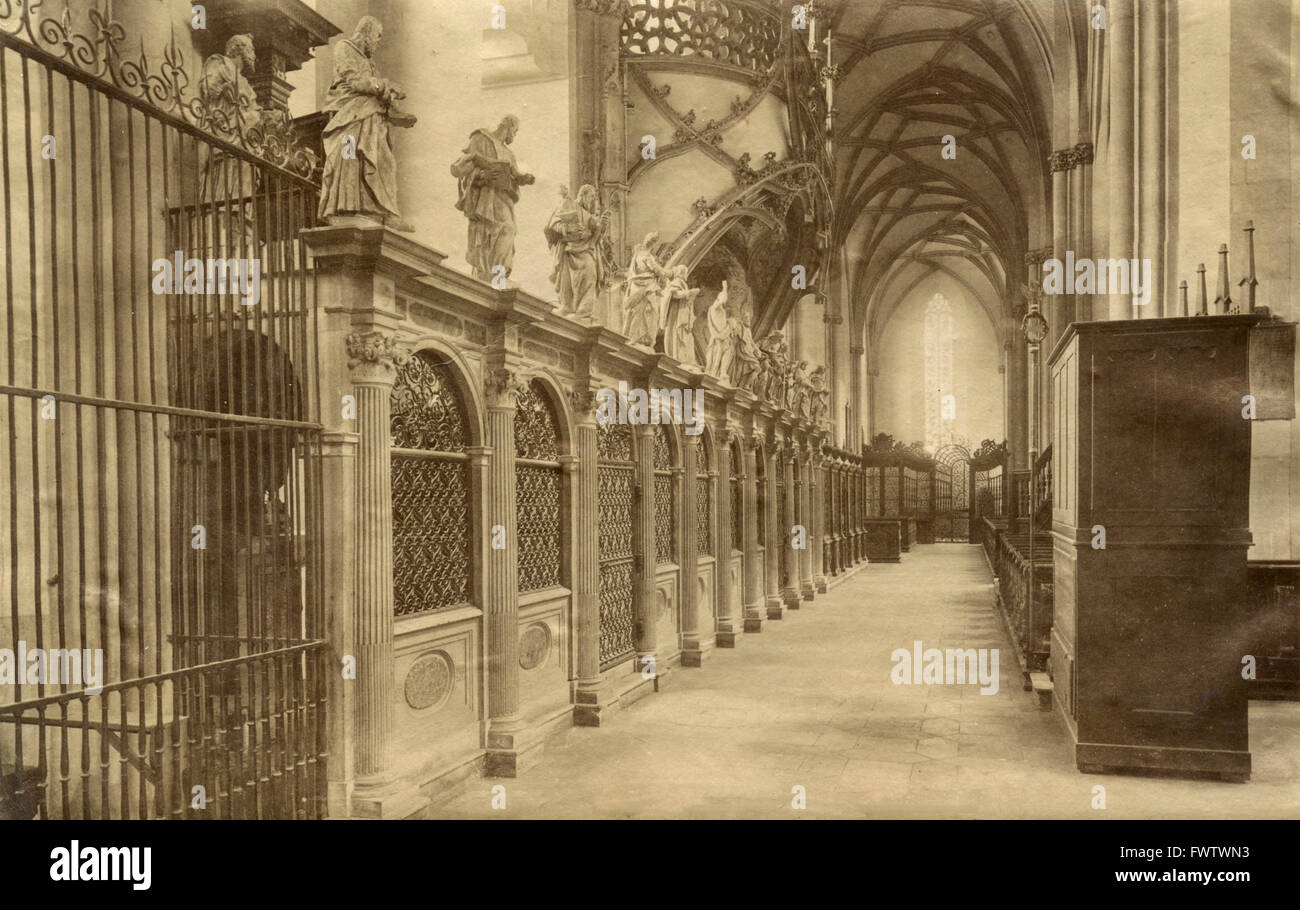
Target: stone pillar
730 626
1081 220
643 560
818 497
790 589
1152 164
373 359
755 606
692 653
806 589
1121 51
588 701
501 579
775 606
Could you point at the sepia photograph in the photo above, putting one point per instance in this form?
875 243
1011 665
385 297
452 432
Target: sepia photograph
450 410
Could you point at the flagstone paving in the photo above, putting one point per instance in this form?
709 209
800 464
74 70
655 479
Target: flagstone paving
808 702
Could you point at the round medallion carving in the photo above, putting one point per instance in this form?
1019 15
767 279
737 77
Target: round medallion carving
534 646
429 681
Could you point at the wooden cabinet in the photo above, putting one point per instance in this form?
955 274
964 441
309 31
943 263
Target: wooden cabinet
1153 452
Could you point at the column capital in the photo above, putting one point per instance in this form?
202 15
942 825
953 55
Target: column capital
582 398
857 350
1035 258
1061 160
833 319
375 357
603 7
502 386
1082 153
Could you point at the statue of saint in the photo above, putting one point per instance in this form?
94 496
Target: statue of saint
489 181
233 114
820 394
360 176
745 365
722 342
677 317
574 234
645 278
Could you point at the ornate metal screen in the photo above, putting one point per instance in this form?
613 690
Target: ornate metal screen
991 480
893 489
431 489
783 534
539 527
703 513
760 463
160 458
614 475
952 480
872 480
665 507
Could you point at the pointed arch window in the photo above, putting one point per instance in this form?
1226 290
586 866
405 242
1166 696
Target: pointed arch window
939 381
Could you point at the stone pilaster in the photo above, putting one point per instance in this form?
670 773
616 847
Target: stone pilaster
755 606
692 652
806 590
728 625
790 590
818 496
373 359
772 593
589 694
501 587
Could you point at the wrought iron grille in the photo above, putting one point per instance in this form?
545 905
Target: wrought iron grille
665 506
431 489
760 516
703 530
783 537
952 479
991 480
539 524
159 455
892 490
614 475
871 477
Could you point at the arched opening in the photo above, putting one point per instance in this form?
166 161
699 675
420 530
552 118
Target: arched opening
540 528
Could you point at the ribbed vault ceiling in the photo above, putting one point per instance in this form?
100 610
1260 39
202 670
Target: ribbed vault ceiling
912 72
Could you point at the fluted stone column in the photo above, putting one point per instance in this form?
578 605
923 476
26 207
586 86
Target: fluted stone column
818 497
806 590
730 623
590 688
775 606
755 605
790 590
501 580
1121 51
373 359
692 652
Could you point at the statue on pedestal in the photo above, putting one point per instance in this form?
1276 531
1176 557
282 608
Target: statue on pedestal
574 234
820 394
489 181
801 390
645 278
775 368
677 316
722 341
233 113
360 176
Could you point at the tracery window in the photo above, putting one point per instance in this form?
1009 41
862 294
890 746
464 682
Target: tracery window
538 476
938 371
431 489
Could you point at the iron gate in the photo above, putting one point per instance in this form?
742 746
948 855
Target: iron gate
952 494
159 455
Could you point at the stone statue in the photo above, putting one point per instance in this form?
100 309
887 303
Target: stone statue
360 176
722 342
801 390
233 113
677 316
745 365
574 234
489 182
645 277
775 366
820 393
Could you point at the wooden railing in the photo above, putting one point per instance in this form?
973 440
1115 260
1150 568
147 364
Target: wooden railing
1028 620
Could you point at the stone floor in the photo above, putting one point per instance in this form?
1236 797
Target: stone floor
809 703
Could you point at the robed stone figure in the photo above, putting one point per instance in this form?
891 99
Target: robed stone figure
489 181
360 176
646 278
233 113
574 234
